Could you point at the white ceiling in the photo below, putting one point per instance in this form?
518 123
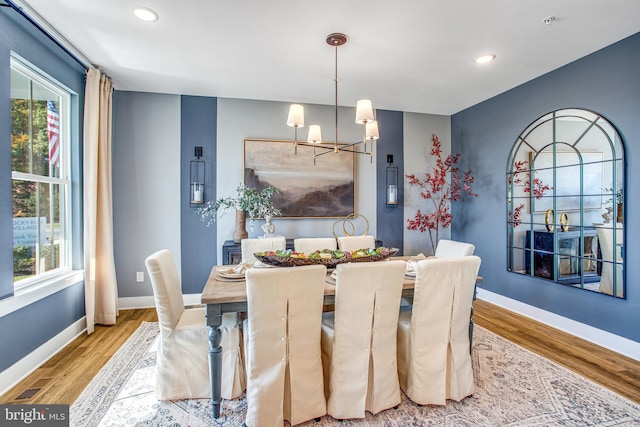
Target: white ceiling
406 55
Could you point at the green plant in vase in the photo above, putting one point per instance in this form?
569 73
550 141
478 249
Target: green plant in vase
619 196
249 201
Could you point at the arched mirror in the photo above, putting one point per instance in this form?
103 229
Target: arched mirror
565 202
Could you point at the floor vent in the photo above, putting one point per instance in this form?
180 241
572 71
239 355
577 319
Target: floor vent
28 394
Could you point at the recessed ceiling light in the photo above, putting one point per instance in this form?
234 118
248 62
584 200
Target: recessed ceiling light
485 58
145 14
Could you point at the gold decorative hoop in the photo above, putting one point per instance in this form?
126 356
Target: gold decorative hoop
348 220
549 215
564 222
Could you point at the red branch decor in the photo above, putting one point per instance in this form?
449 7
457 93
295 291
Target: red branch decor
520 169
440 192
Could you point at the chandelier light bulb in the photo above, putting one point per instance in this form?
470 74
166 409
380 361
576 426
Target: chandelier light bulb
296 116
315 134
364 112
371 131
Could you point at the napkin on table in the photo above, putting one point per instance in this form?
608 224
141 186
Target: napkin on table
411 264
242 267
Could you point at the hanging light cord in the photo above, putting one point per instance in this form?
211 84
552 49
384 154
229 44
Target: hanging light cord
335 81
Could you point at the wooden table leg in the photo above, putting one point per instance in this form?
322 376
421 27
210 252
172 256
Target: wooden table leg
214 320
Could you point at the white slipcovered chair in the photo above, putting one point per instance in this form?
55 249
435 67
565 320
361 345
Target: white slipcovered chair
183 346
359 339
352 243
282 345
605 241
453 249
434 360
310 244
250 246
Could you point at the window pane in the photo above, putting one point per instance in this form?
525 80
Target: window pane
36 230
35 131
41 222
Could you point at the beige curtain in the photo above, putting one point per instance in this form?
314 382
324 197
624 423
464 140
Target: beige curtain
100 287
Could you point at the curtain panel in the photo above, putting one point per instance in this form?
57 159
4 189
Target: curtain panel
101 291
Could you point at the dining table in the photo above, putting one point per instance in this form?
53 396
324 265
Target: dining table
224 295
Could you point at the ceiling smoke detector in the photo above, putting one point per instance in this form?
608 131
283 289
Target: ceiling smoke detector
548 20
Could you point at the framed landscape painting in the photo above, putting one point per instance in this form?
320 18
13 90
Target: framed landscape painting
323 190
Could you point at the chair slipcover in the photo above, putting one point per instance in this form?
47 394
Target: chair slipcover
282 345
434 361
453 249
359 339
251 246
311 244
352 243
605 240
183 346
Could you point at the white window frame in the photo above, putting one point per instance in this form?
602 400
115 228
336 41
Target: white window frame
65 231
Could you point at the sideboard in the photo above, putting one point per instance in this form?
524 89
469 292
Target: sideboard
569 261
232 253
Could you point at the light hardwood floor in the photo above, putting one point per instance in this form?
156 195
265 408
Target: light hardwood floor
63 377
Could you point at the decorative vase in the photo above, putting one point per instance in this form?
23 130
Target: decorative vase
268 227
241 226
620 211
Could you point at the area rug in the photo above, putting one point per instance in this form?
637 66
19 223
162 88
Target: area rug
514 387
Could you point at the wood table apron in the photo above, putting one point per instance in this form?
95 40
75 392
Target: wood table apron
231 297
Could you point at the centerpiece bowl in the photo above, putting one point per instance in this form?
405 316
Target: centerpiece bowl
327 257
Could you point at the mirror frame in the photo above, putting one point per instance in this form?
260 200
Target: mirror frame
563 171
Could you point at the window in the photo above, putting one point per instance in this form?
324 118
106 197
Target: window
41 189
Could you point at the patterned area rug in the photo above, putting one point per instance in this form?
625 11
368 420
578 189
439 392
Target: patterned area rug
514 387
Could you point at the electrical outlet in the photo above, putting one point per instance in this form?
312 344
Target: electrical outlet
139 276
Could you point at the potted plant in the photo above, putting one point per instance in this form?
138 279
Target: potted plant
248 201
619 195
444 184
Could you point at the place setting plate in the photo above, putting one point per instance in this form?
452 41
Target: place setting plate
227 273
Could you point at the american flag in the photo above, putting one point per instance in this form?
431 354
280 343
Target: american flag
53 130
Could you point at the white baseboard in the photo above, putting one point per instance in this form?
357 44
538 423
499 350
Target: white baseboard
597 336
25 366
130 303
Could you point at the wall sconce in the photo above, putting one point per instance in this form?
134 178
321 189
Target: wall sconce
197 180
392 183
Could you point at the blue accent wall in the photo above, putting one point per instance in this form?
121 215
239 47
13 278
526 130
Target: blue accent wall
198 122
390 220
24 330
607 82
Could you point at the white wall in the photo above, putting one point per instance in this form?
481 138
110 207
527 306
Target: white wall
418 129
239 119
146 184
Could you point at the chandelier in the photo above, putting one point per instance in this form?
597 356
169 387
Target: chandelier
364 116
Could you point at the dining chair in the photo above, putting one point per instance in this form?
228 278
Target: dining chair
434 360
353 243
182 359
311 244
250 246
453 249
359 339
282 345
